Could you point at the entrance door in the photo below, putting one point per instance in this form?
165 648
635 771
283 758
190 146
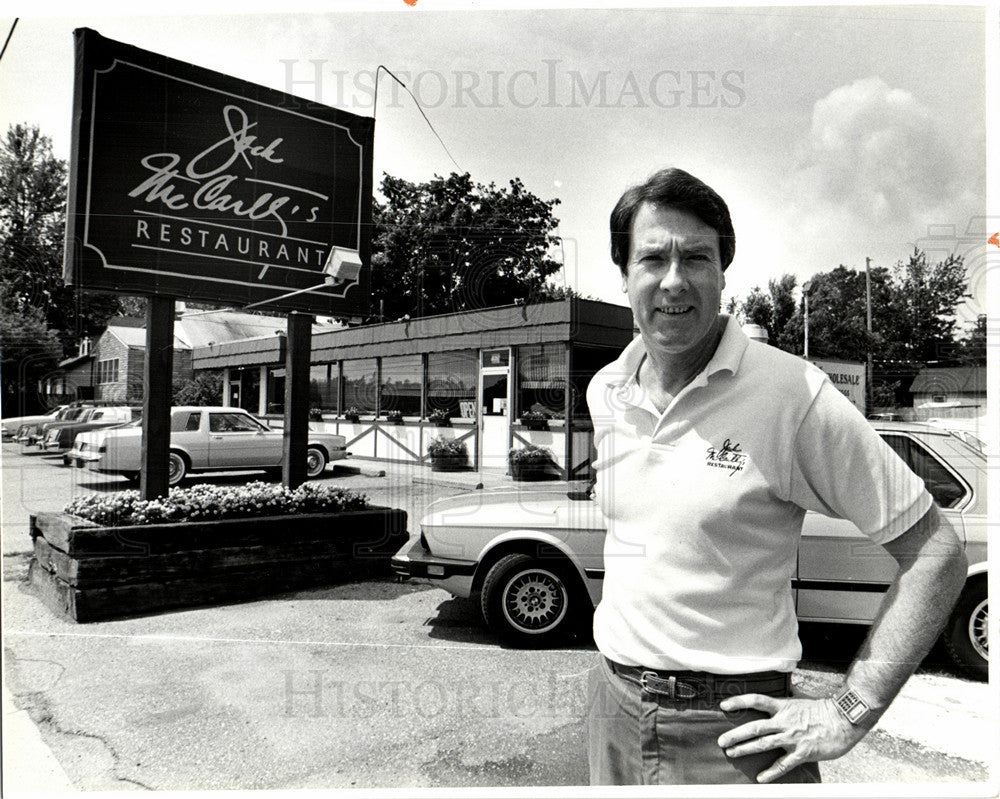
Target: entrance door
494 409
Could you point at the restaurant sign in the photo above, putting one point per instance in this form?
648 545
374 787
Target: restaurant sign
188 183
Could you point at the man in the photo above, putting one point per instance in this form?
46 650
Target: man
710 449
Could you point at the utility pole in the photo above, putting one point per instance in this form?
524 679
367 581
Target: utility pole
869 394
806 288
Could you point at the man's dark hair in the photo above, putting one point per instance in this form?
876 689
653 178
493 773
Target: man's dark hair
672 188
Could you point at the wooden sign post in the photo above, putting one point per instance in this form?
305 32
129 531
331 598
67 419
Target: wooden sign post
296 432
157 376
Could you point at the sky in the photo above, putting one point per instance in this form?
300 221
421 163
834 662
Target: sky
833 132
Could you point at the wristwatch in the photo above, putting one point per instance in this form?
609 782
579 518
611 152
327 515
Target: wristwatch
851 706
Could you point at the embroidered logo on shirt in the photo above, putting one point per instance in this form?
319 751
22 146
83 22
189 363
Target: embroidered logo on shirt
728 456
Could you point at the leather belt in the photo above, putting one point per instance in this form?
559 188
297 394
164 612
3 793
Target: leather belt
703 687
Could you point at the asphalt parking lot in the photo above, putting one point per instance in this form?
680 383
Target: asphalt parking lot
373 684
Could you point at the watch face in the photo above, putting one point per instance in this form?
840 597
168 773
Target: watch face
852 706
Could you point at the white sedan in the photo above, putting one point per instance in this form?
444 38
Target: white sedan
203 439
536 557
10 425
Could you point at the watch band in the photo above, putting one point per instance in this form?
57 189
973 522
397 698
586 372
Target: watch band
851 706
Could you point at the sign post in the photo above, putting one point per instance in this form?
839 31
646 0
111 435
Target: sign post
296 431
157 373
190 184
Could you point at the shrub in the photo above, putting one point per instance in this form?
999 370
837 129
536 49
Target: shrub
440 417
441 447
209 502
352 414
203 389
530 454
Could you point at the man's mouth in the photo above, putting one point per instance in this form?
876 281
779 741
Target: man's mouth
675 310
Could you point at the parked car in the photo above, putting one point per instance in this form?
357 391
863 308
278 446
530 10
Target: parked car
87 445
536 558
31 432
971 431
10 425
59 436
210 439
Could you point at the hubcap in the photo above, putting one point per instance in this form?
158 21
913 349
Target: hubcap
175 468
979 632
312 464
534 601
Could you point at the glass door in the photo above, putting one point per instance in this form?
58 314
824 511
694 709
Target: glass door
494 408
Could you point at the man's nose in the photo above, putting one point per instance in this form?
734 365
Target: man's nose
673 280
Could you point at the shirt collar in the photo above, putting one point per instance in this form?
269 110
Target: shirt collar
727 358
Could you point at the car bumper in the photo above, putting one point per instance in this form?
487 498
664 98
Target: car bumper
415 561
52 445
84 456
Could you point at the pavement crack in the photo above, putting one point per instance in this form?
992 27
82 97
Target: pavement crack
39 709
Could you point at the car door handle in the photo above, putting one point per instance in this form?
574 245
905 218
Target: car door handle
217 438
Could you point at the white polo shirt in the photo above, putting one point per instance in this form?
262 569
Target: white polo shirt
704 503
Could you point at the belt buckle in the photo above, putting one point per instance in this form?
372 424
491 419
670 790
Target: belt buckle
672 690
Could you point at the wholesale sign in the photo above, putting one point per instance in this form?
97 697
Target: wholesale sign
189 183
848 377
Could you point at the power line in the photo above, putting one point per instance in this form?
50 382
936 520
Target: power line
417 102
8 36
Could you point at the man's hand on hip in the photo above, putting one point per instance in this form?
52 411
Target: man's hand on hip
807 729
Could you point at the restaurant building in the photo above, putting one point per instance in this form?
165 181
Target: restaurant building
387 387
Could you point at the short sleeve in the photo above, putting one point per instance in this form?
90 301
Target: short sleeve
841 467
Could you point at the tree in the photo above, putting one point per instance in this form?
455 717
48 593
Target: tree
771 311
29 350
925 304
971 349
32 229
453 245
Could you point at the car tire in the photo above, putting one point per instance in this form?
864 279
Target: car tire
176 468
966 636
530 602
315 462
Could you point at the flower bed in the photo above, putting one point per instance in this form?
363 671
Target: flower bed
206 545
209 502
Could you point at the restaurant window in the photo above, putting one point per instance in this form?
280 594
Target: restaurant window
541 385
324 386
360 385
451 383
587 362
276 390
402 377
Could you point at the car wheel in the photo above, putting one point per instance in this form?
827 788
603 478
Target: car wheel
530 602
966 637
176 469
315 462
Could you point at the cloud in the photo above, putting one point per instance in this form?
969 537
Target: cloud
876 155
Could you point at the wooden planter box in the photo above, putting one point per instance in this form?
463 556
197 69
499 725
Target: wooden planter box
449 464
529 471
91 573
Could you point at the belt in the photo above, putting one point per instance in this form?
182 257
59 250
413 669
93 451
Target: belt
701 686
